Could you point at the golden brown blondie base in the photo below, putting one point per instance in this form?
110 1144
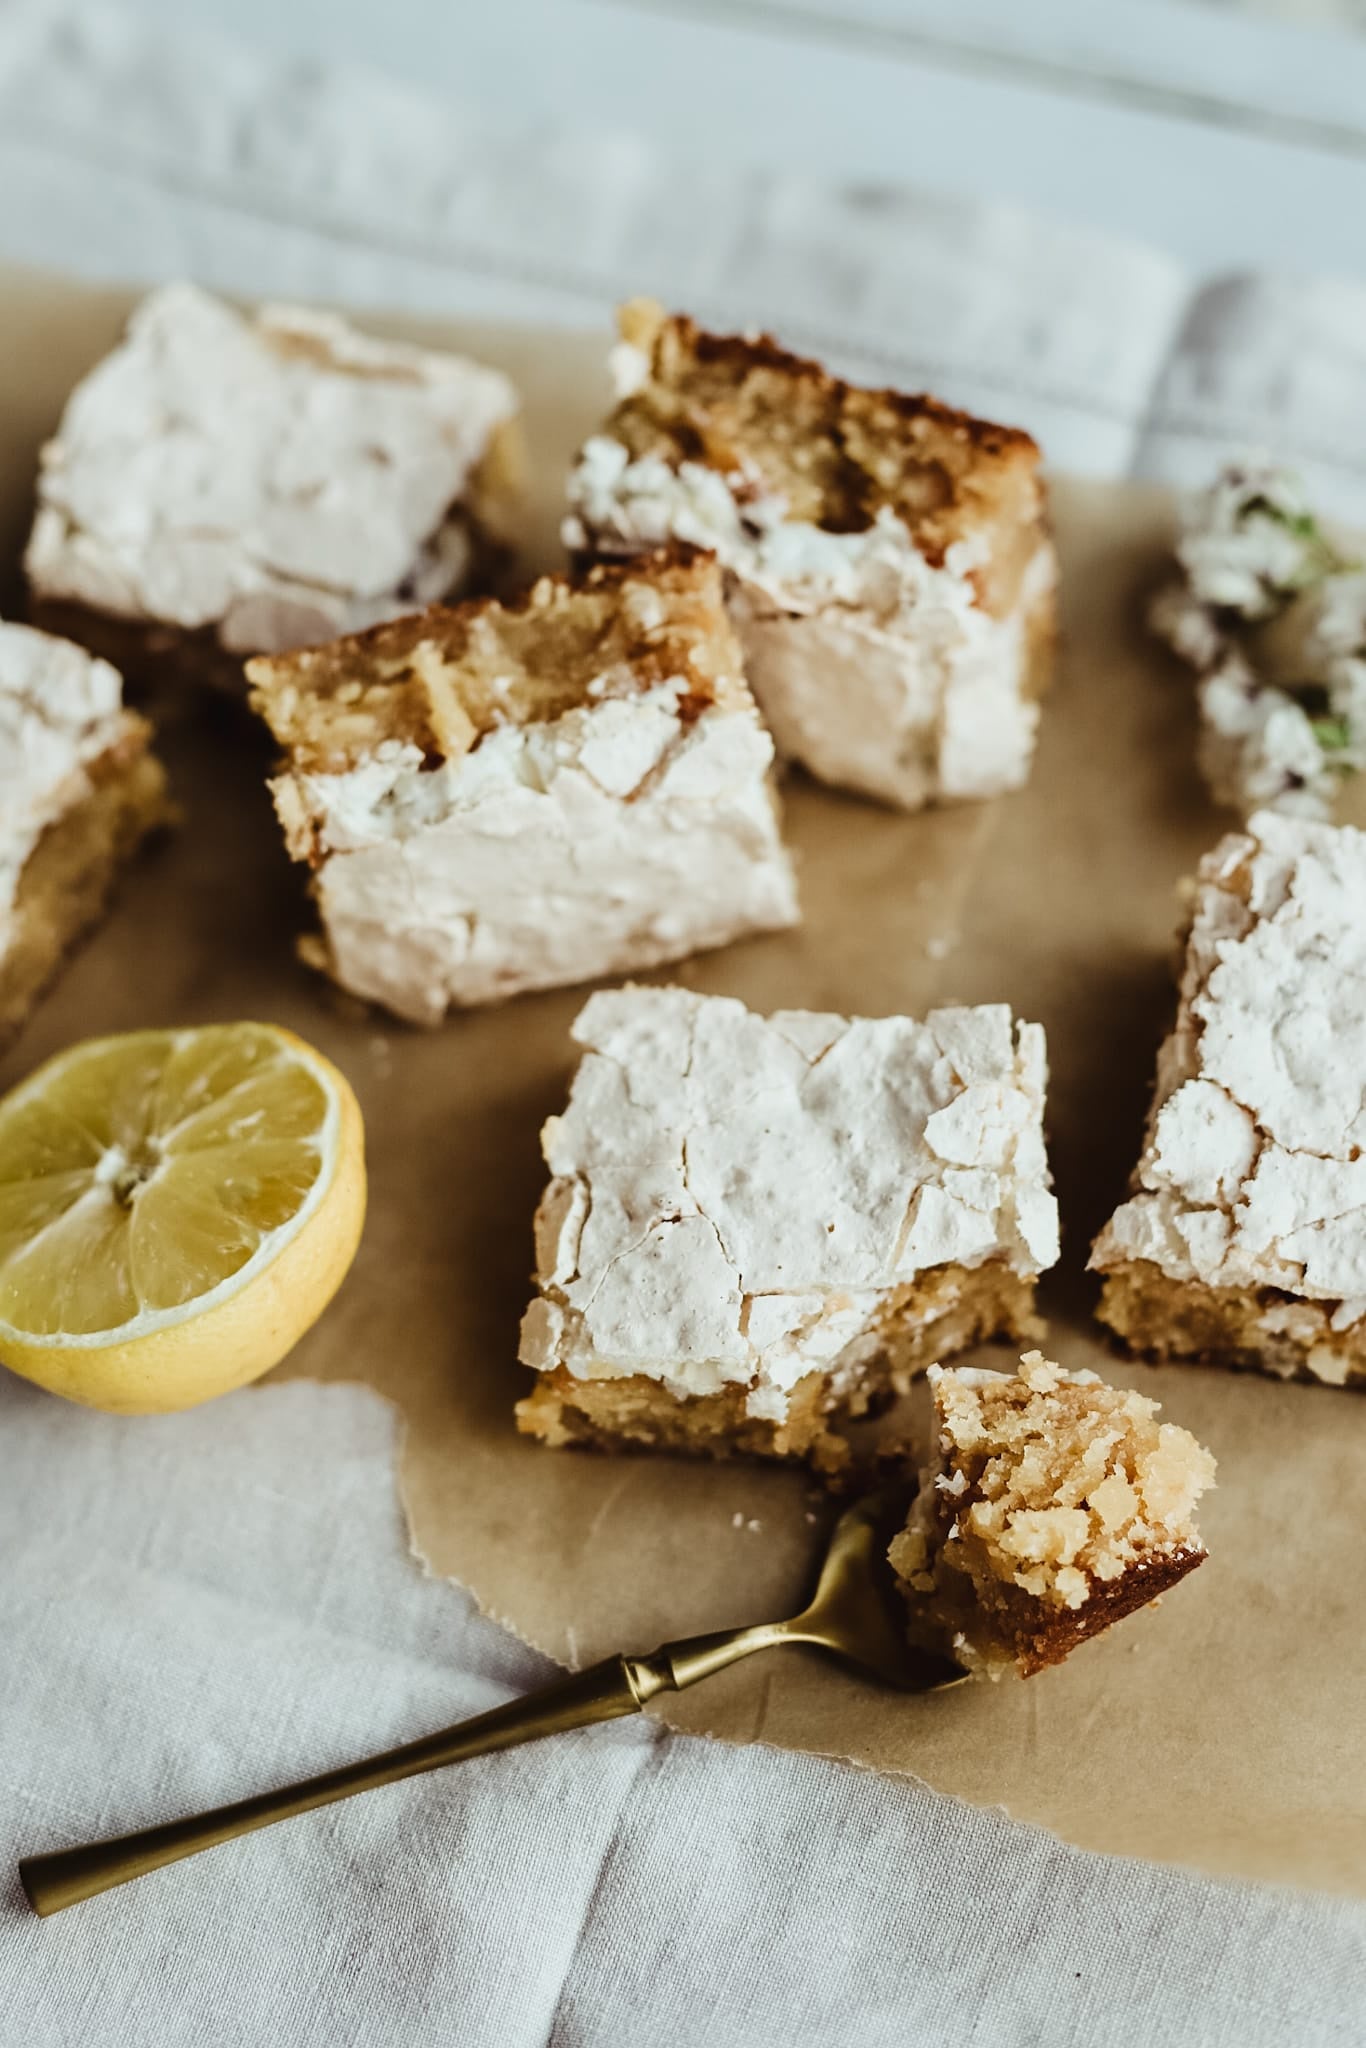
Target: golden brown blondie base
444 678
837 453
1032 1638
1253 1329
939 1314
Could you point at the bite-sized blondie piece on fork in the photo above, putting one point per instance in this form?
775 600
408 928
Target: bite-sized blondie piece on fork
890 568
1052 1506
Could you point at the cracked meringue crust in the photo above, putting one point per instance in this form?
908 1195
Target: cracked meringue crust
79 792
225 483
1053 1506
502 797
756 1225
1243 1240
889 564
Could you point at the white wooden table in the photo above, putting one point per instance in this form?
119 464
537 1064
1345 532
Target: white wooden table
1223 136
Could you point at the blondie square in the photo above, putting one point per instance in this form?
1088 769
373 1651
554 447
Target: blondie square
78 792
889 562
755 1225
225 484
1243 1240
503 797
1052 1506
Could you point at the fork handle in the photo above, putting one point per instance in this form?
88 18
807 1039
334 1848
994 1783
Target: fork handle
604 1692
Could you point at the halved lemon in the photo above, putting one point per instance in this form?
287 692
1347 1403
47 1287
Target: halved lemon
176 1209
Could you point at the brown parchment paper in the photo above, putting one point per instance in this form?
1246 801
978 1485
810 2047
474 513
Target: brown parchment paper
1223 1729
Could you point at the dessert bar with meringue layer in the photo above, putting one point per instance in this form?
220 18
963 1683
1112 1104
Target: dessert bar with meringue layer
757 1226
496 797
889 562
1243 1238
228 483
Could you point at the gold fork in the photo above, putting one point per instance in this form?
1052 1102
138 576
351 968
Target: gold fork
854 1614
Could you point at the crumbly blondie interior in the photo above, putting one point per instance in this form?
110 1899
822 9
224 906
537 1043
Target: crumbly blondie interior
837 453
66 882
941 1312
1054 1506
1257 1329
444 678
